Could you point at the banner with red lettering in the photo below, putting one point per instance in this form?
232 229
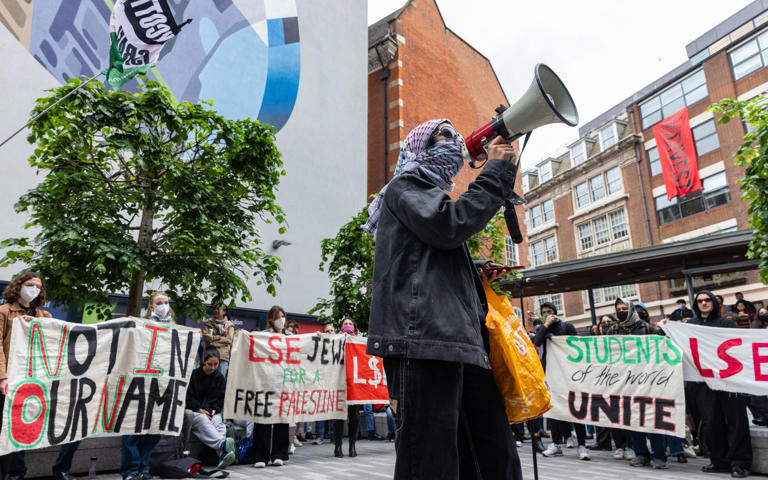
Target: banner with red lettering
617 381
68 381
677 154
729 359
274 378
366 382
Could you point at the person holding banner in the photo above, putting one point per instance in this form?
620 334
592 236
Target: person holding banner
353 411
428 310
723 414
24 296
271 441
136 449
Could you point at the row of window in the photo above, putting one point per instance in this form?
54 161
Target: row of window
704 137
602 231
749 57
673 99
598 187
714 193
601 295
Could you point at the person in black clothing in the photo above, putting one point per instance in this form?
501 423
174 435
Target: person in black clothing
561 431
724 425
205 401
428 309
682 312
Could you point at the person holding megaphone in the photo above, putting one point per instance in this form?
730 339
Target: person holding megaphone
428 309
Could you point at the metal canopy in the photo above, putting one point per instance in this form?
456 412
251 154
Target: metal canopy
717 253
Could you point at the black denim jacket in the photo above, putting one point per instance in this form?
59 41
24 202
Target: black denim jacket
427 300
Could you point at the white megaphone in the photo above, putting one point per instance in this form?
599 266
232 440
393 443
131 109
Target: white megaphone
546 101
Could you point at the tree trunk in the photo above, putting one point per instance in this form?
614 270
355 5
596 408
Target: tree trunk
136 289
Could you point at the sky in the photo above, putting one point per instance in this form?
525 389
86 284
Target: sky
603 50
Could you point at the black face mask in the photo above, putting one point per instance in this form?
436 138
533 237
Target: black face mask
763 317
643 315
622 315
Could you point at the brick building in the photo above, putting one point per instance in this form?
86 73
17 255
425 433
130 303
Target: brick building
419 69
605 192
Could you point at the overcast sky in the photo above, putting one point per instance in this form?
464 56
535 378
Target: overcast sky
603 50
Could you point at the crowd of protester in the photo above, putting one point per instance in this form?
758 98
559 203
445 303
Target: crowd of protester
717 422
263 444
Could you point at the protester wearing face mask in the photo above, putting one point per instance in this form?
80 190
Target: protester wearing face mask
136 449
353 411
218 333
24 296
271 442
428 309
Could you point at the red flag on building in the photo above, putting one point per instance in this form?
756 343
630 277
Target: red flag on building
677 154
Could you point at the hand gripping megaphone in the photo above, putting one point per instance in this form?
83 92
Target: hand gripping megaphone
546 101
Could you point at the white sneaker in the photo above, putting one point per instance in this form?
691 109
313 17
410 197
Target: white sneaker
259 465
553 450
277 462
297 443
518 443
629 454
583 454
318 441
618 454
571 442
291 449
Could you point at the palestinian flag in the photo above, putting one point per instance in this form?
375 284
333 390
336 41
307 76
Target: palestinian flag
138 30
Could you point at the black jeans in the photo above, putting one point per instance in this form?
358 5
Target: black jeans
270 442
353 417
561 432
450 422
725 426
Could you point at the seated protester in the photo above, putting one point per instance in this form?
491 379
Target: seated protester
205 401
723 414
24 296
682 313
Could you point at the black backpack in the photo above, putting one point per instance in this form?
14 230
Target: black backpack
185 467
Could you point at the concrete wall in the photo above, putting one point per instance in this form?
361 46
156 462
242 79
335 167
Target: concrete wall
297 64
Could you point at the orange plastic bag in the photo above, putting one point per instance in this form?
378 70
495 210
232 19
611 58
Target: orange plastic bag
515 362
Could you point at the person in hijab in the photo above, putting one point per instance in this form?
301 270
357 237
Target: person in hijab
723 414
428 309
218 333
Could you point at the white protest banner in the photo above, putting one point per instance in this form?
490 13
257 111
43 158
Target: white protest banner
275 378
366 381
729 359
619 381
68 381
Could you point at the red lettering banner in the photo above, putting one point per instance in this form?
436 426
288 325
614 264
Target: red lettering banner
677 154
366 382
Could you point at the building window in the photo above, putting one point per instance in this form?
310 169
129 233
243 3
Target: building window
542 213
603 230
525 184
610 294
750 56
671 100
555 298
510 251
578 153
595 188
608 136
544 251
545 172
705 136
654 161
714 193
613 181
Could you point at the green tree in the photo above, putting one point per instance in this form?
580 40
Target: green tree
140 189
752 155
348 259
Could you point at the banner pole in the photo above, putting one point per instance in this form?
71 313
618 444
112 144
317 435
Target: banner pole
49 108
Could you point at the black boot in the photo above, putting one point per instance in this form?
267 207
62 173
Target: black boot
538 447
337 451
352 451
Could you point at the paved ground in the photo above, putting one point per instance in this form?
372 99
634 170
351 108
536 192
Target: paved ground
375 461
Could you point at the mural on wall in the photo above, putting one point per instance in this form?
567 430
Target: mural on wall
244 54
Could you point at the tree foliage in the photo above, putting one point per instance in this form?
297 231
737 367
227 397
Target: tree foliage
752 155
348 259
140 189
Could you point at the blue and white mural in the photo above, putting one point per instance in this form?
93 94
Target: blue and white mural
244 54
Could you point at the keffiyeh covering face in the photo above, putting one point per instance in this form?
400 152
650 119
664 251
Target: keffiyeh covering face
439 163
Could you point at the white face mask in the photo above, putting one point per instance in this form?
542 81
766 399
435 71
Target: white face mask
29 293
279 323
162 310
